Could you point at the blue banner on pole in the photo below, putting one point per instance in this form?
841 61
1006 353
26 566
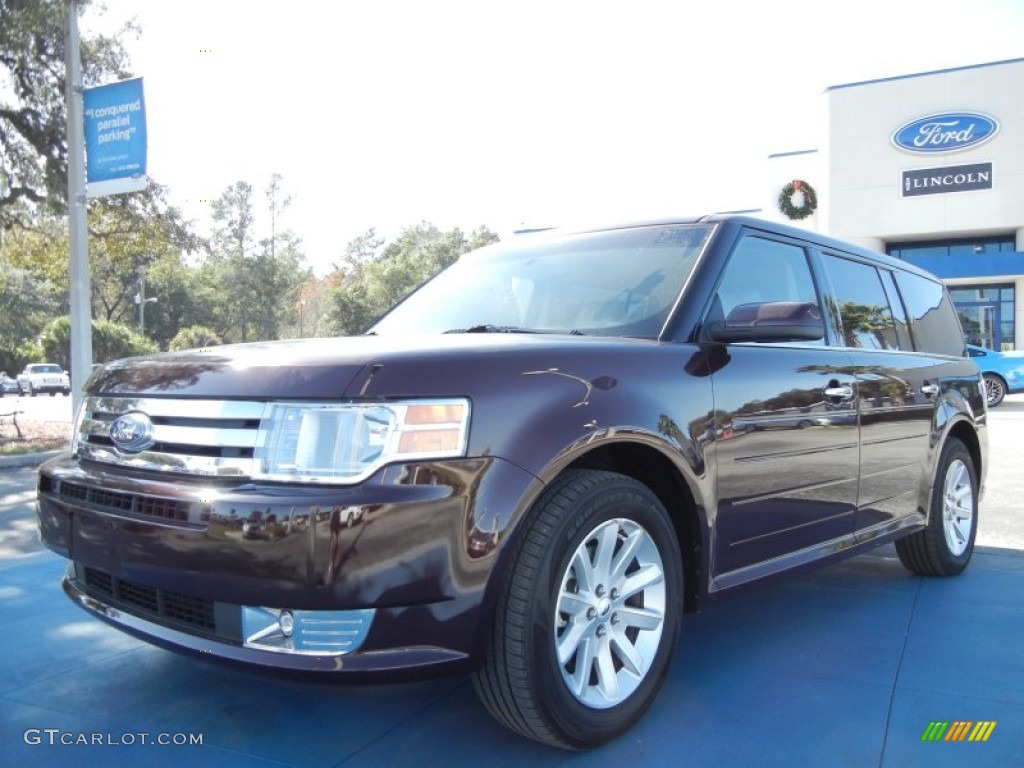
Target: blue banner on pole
115 138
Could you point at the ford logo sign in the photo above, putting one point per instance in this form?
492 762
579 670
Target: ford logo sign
132 432
946 132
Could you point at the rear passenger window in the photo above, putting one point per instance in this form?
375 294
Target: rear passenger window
761 270
899 314
933 322
861 306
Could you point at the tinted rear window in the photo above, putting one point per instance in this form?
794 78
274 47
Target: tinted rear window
933 321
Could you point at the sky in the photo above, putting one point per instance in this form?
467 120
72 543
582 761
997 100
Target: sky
512 114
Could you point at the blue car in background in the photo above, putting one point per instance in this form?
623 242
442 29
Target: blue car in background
1003 372
8 386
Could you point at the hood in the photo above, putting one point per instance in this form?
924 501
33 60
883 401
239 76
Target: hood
332 368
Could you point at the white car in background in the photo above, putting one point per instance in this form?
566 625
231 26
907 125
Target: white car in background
44 377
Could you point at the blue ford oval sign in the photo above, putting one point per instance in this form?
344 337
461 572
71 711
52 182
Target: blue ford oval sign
132 432
945 132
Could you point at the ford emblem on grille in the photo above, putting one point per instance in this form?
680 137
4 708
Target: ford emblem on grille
132 432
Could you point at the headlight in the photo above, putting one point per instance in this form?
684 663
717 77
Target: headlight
331 442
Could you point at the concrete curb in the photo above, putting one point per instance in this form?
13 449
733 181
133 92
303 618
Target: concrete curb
27 459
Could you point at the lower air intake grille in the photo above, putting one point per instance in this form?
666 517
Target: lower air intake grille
130 503
149 602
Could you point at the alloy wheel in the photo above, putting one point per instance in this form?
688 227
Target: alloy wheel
957 507
609 614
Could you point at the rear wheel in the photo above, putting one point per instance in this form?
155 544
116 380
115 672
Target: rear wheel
945 546
587 620
995 389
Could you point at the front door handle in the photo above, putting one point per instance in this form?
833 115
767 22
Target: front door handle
840 391
929 389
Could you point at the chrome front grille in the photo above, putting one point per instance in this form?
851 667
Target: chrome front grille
202 437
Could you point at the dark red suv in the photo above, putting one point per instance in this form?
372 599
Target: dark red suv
531 467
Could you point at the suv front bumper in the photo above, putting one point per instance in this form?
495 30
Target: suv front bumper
401 562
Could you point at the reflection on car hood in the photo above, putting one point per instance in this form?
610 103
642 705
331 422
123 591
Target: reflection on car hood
312 368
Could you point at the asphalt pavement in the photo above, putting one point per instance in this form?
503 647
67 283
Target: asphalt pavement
849 665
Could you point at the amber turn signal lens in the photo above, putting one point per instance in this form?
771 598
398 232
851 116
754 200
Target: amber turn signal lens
434 414
429 441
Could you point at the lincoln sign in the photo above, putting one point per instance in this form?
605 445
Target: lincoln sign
955 178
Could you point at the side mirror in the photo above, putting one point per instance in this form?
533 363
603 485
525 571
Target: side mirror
770 321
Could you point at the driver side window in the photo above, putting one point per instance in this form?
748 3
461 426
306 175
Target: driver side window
761 270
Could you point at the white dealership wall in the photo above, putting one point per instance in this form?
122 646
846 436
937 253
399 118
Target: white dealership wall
858 173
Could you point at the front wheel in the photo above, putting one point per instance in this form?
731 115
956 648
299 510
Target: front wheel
995 390
588 617
945 546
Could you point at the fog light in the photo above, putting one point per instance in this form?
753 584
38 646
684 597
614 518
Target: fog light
321 633
287 623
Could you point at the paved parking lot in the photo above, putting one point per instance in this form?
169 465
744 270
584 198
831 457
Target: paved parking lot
846 666
38 408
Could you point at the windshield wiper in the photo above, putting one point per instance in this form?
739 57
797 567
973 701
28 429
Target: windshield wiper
491 328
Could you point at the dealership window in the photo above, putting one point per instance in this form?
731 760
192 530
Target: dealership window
986 314
960 247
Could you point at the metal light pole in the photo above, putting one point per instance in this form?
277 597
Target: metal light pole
142 301
81 294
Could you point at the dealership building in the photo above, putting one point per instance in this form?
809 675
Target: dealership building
928 167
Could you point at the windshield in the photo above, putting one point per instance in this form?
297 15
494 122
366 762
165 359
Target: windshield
618 283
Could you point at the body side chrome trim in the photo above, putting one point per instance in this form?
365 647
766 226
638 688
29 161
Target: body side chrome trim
864 540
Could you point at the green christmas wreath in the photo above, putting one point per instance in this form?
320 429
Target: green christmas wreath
810 200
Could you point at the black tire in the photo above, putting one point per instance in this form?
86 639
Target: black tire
53 392
31 390
995 389
544 600
945 546
66 392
